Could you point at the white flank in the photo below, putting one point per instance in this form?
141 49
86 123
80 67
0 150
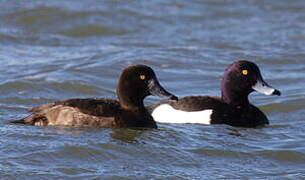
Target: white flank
167 114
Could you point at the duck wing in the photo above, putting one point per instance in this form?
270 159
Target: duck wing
74 112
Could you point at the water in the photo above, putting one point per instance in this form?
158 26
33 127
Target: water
51 50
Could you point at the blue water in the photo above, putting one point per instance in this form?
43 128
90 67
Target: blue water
51 50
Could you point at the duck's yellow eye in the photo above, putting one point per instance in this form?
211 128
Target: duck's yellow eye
244 72
142 77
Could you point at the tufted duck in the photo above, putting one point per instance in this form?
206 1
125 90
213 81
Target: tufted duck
136 82
233 108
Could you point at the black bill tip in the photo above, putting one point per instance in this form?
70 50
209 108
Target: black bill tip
276 92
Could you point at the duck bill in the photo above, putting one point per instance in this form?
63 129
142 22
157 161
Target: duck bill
264 88
156 89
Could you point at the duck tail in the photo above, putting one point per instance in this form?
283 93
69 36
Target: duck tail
20 121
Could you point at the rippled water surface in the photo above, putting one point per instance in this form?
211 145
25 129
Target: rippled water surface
51 50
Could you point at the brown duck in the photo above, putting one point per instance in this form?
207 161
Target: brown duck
135 83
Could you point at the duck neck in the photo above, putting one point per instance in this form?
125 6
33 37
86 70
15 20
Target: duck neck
131 103
235 99
130 99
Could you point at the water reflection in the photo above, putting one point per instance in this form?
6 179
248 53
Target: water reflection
129 135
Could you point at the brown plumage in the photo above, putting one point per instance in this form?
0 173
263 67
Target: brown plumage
136 82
